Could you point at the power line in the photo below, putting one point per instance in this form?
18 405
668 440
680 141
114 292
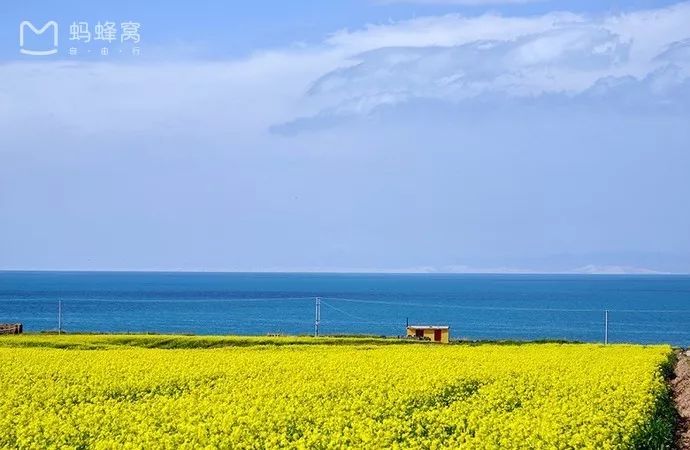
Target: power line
469 308
404 303
191 300
503 308
348 314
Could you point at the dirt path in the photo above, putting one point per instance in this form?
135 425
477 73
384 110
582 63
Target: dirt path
681 396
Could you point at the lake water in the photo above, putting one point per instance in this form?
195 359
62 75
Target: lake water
644 309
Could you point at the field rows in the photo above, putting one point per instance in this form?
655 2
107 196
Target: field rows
327 396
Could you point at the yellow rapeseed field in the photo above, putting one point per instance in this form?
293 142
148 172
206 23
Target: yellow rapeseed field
260 396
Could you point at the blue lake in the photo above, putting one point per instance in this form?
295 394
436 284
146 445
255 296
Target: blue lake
644 309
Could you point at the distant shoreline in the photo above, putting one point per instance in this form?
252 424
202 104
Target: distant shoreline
239 272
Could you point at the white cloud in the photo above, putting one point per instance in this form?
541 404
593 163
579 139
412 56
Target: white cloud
454 58
447 30
566 59
452 139
448 58
206 97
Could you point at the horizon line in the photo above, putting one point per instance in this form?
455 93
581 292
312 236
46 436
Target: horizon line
335 272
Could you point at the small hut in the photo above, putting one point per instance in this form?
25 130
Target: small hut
11 328
436 333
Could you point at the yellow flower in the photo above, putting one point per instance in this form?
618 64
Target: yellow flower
532 396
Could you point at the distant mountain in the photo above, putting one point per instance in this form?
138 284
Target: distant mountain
593 269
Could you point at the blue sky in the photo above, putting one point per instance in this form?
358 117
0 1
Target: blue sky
227 29
417 136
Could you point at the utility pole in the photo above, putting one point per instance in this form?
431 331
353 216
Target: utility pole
606 327
59 316
317 316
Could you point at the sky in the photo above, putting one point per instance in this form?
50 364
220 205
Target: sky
349 136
